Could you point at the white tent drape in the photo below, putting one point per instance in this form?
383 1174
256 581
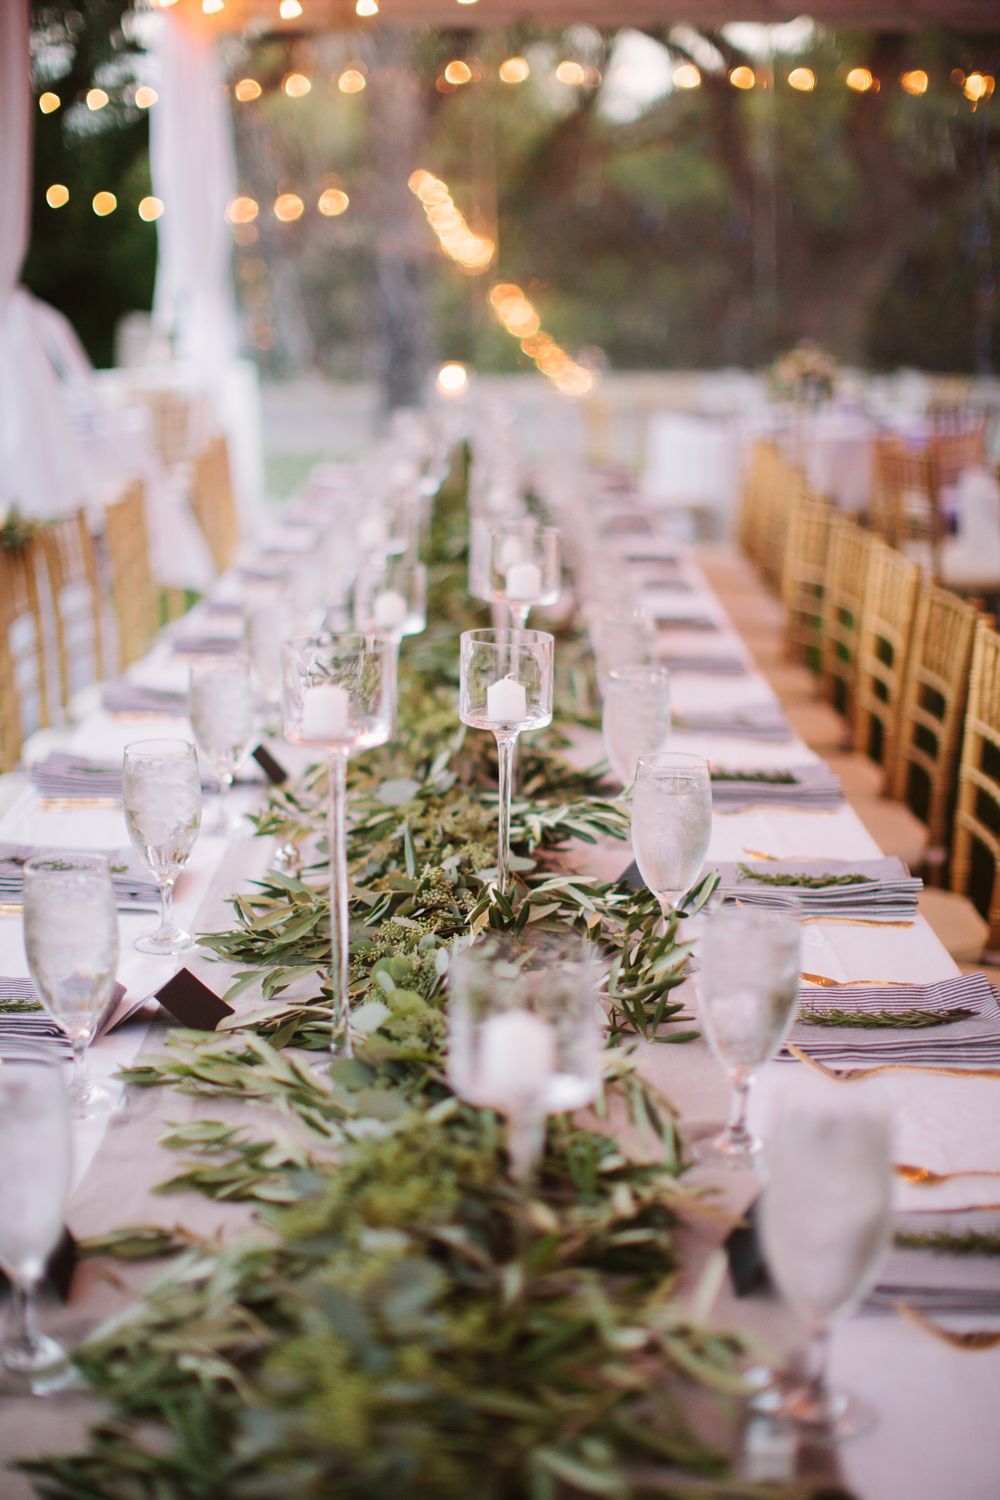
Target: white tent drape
40 466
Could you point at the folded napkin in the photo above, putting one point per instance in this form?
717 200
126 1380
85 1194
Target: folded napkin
888 891
763 721
702 664
226 608
809 786
61 774
132 697
942 1261
970 1040
205 645
31 1025
667 621
134 888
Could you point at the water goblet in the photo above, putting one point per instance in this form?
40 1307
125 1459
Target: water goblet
671 823
161 795
523 567
71 942
826 1220
34 1186
220 704
506 687
337 693
621 638
524 1032
635 717
748 986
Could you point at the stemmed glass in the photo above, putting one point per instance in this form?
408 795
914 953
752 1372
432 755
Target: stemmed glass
34 1186
337 692
622 637
748 986
71 941
506 687
161 794
636 717
391 601
270 622
524 1032
826 1219
220 703
522 564
671 823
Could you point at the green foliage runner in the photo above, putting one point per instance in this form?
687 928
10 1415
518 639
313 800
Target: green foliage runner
404 1321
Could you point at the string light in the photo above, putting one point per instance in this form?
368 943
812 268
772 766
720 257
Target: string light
366 8
518 316
571 73
914 82
145 97
48 102
296 85
687 76
458 72
247 89
514 70
212 7
150 209
242 210
860 80
57 196
473 252
742 77
104 204
288 207
289 10
802 79
453 378
978 86
96 99
352 81
333 201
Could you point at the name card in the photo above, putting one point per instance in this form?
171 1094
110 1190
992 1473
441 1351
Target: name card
273 769
59 1268
192 1003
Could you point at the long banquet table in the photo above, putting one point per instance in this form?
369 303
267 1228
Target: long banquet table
937 1432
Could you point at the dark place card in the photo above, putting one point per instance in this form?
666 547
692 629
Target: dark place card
632 878
58 1269
745 1253
192 1003
273 769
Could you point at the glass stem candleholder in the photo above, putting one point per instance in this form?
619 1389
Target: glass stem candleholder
524 567
390 600
337 694
506 687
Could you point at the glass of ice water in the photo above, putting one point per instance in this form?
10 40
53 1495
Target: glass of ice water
671 822
162 801
220 703
748 985
71 942
34 1185
636 717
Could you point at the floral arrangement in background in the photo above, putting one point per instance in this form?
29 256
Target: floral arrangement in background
806 374
16 531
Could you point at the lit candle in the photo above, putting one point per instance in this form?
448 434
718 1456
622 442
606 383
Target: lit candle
326 712
506 701
516 1060
524 581
390 609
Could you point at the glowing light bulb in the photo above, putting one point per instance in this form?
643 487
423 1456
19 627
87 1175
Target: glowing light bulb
104 204
150 209
145 97
742 77
288 207
914 82
57 196
571 73
452 378
366 8
96 99
247 89
242 210
351 81
296 85
514 70
289 10
687 76
860 80
48 102
458 72
802 79
333 201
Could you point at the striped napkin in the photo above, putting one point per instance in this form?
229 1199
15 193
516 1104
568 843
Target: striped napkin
38 1025
61 774
665 620
973 1041
764 721
134 889
131 697
948 1276
702 663
205 645
810 786
888 892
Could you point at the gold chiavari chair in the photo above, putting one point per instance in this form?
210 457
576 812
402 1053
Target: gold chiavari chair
70 561
803 584
25 680
887 616
214 502
134 592
934 698
907 507
843 601
757 486
975 860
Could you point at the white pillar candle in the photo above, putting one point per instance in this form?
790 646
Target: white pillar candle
524 581
326 712
516 1060
390 609
506 701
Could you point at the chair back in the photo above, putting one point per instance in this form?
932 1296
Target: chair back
843 600
975 862
134 592
890 606
214 502
810 530
26 686
70 560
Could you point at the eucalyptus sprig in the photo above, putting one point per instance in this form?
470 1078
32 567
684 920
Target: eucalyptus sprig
806 882
892 1020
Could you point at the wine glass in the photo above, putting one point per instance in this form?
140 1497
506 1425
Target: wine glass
506 687
161 794
71 942
220 703
671 823
34 1186
524 1031
270 622
622 637
826 1220
523 566
748 987
635 717
337 691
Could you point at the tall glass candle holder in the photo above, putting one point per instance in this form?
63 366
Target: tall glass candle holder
524 1031
524 568
506 687
336 692
391 601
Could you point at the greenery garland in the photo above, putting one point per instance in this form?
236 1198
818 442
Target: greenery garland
405 1321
